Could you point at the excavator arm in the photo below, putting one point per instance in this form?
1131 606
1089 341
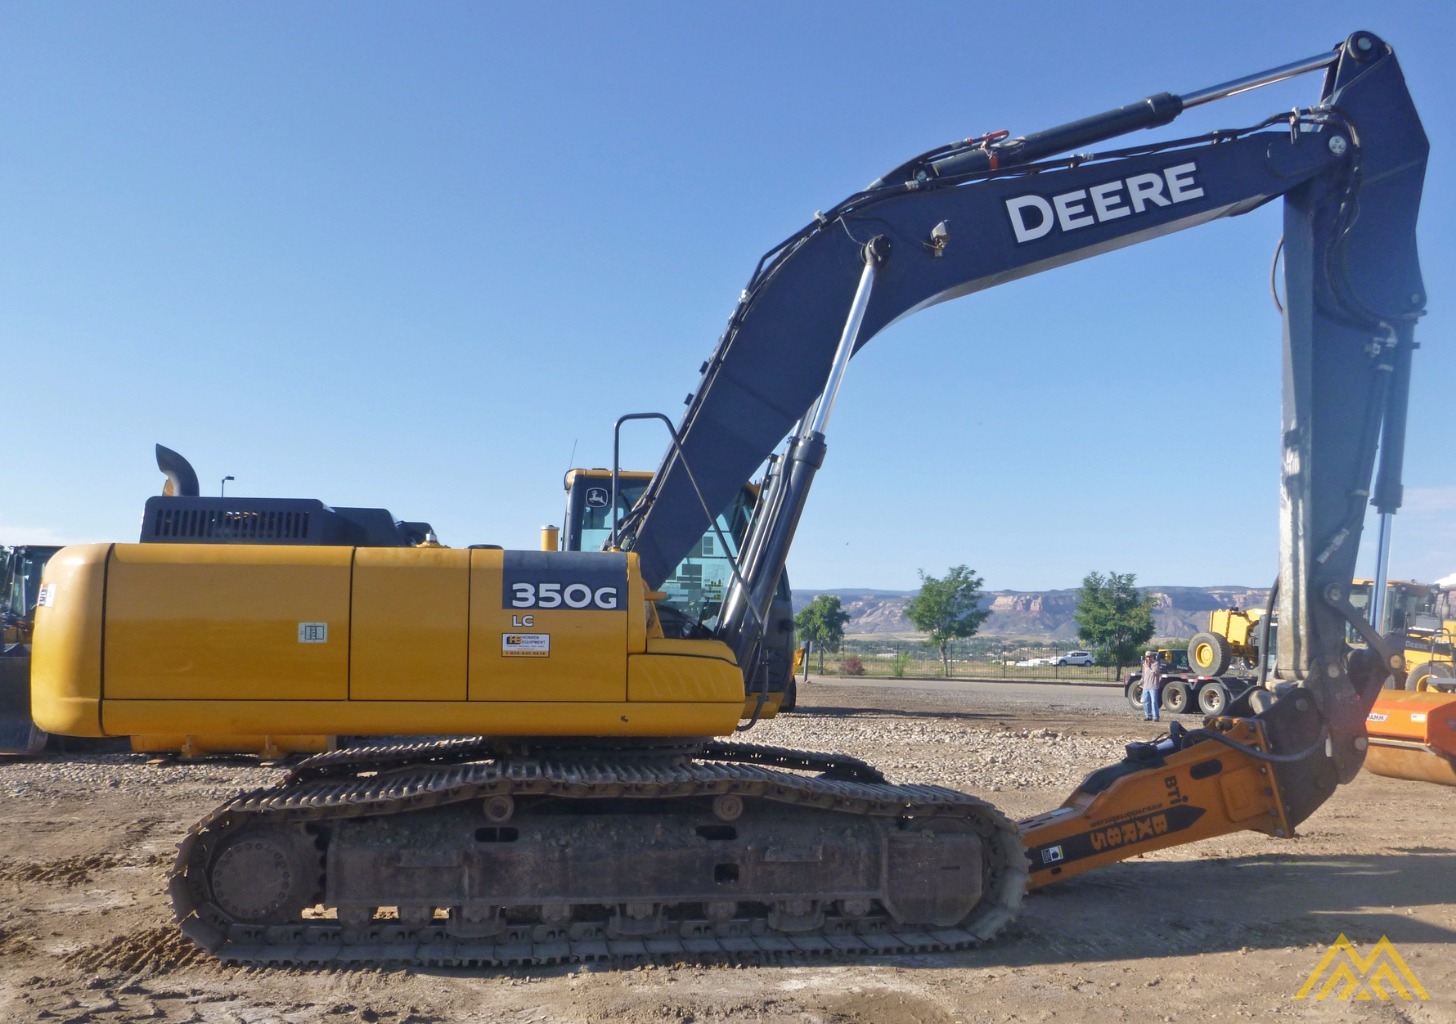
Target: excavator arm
994 209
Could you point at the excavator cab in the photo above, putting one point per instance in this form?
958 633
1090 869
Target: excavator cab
694 592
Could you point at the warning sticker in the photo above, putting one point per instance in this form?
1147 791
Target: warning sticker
525 645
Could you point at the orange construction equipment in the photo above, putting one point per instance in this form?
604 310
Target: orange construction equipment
1413 736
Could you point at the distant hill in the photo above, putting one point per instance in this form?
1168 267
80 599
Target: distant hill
1180 611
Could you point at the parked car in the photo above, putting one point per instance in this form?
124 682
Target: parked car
1077 658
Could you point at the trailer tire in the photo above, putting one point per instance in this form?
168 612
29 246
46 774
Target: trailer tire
1133 691
1213 698
1209 654
1175 697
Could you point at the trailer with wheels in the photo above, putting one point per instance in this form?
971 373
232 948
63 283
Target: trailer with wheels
1186 694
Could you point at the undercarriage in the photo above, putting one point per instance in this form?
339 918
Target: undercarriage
468 852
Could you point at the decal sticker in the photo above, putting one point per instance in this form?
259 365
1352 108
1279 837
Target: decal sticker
597 497
1036 216
1376 716
313 632
568 580
525 645
47 598
1110 834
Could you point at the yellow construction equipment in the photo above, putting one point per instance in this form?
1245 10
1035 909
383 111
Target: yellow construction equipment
1231 634
592 813
1421 619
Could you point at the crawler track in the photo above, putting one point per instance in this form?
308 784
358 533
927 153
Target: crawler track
440 854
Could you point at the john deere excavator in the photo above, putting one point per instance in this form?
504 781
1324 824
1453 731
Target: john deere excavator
596 815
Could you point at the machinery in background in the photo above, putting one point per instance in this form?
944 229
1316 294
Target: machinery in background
20 576
1421 619
1413 729
593 816
1185 690
1412 723
1232 633
1413 735
1417 617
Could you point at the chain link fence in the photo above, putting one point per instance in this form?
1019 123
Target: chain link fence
977 658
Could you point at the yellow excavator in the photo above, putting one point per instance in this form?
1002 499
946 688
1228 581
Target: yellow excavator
599 801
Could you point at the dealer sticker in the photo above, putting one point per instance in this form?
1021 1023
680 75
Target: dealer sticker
525 645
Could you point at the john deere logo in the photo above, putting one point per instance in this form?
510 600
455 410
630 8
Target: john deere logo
1345 974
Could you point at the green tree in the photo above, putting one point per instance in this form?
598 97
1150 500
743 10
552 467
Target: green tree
822 622
948 609
1114 617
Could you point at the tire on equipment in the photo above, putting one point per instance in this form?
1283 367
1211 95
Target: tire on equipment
1176 697
1213 698
1209 654
1429 675
1133 691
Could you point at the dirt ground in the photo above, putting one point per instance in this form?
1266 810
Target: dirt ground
1225 929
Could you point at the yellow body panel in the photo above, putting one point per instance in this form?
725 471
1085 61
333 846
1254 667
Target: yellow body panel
685 670
67 650
1240 628
408 639
542 654
211 640
227 620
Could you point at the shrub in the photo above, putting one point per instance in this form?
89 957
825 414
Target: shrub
852 666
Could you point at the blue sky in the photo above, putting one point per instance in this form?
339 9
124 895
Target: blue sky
422 256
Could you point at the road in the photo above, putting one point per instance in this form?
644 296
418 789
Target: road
1102 698
1057 705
